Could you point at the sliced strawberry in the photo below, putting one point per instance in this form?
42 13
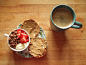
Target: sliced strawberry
23 38
22 31
27 40
26 36
19 32
23 34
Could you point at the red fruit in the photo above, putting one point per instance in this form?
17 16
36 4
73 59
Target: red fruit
23 34
22 31
23 38
19 32
27 40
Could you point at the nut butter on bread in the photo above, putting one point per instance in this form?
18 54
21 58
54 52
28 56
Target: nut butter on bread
31 27
37 47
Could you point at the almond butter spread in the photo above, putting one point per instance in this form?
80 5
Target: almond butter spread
37 47
31 27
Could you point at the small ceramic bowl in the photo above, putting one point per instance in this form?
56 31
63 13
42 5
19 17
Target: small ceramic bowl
13 48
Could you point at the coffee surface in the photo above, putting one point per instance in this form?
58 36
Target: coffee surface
62 17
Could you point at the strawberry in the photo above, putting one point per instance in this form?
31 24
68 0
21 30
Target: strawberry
23 32
19 32
23 38
27 40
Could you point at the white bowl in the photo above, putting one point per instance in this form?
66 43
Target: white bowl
16 49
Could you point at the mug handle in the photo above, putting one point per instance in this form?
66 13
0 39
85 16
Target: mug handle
77 25
6 35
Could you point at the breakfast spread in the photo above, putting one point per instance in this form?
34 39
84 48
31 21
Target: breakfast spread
18 39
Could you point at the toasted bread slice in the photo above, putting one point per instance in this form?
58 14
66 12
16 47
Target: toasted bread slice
37 47
31 27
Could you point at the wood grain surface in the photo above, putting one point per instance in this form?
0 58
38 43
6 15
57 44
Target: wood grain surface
64 48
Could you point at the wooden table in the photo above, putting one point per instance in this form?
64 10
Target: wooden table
64 48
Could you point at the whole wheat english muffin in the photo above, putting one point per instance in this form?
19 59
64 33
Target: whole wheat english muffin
31 27
37 47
